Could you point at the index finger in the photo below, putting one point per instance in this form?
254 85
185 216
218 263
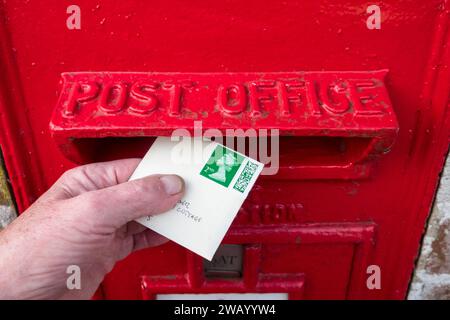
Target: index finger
91 177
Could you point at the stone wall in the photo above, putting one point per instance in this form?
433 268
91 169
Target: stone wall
432 275
7 210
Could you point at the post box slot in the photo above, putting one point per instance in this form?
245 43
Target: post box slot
331 125
297 155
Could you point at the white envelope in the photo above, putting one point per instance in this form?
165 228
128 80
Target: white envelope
217 180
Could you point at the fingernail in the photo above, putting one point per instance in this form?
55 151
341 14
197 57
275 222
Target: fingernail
173 184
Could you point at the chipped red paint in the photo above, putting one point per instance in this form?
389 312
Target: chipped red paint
311 235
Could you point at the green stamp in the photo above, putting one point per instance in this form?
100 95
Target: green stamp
246 176
222 165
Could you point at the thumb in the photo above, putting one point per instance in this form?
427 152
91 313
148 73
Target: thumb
116 205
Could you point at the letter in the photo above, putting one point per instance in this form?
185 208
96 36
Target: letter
214 134
79 92
333 96
285 97
187 310
239 310
182 152
256 96
241 136
200 154
178 133
144 98
74 280
374 280
311 94
374 20
73 21
196 310
365 98
113 97
232 99
175 97
263 152
177 310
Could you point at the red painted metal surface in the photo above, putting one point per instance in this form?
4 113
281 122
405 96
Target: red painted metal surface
309 234
261 275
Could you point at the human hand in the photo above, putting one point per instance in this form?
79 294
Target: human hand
85 219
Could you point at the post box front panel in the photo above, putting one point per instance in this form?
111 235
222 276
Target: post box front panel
308 235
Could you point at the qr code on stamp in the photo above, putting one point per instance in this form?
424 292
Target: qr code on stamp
246 176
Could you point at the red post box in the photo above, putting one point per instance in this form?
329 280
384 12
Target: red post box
361 113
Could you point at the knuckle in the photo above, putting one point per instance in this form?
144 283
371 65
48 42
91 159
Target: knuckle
71 173
67 174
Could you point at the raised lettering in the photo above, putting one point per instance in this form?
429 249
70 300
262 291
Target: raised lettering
113 97
144 98
79 92
232 99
